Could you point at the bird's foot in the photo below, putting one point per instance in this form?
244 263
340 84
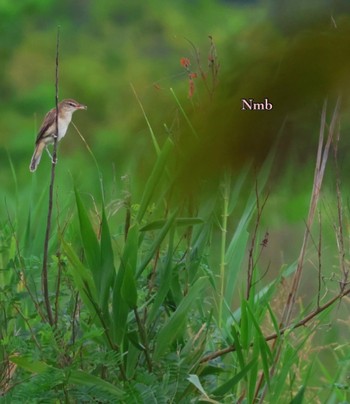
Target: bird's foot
53 160
49 153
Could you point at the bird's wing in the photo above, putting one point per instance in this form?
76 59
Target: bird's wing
49 120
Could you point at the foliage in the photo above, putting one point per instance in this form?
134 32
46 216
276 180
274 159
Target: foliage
141 297
159 282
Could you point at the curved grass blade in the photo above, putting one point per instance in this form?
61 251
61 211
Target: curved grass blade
157 242
174 326
153 181
89 239
229 385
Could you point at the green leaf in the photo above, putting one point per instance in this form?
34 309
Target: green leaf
90 242
181 221
85 379
129 290
81 275
245 328
174 326
194 379
156 243
227 386
107 266
238 346
165 274
29 365
83 281
124 283
298 398
262 344
153 181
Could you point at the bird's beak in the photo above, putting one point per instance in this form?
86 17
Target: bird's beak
81 106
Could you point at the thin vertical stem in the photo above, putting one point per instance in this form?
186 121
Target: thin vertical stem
44 276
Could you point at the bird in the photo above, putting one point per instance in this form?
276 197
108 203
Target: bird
47 131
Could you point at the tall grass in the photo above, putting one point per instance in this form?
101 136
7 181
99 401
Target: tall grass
161 301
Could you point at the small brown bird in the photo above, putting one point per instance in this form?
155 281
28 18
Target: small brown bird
47 130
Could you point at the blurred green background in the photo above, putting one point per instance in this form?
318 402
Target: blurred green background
104 47
292 52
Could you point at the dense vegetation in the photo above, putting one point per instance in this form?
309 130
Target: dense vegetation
194 255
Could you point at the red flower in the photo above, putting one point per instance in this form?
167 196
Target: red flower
185 62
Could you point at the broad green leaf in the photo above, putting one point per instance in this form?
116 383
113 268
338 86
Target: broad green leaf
133 357
120 307
129 290
235 255
156 243
165 274
29 365
154 178
81 275
174 326
83 281
85 379
200 240
90 242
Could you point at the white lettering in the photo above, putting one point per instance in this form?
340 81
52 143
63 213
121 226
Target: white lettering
247 104
256 106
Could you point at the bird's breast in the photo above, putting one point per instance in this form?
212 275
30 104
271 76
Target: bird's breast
63 126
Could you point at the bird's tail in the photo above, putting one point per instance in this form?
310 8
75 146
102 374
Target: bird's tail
36 156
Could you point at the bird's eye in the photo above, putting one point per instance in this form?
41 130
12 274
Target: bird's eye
71 104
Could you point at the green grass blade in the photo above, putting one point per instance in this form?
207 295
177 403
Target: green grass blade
83 281
253 374
165 280
261 344
238 346
107 271
153 181
175 324
198 251
227 386
85 379
90 242
184 114
30 365
129 290
121 307
157 242
245 325
80 273
299 397
153 136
